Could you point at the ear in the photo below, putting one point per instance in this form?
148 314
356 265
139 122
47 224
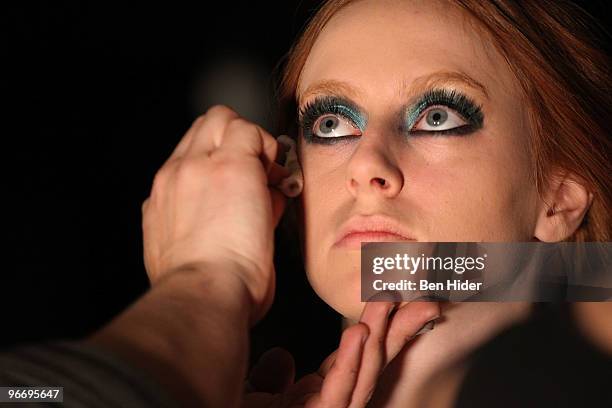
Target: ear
564 205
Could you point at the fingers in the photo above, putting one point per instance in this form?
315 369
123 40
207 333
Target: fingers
307 388
181 147
209 135
221 127
375 316
327 364
205 133
406 322
329 361
274 372
350 373
246 138
337 390
222 130
388 336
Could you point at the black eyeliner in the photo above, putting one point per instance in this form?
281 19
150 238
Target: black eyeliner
325 105
451 98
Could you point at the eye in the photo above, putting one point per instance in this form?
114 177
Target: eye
444 112
334 126
437 118
330 119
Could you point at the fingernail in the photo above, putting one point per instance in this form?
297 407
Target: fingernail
429 326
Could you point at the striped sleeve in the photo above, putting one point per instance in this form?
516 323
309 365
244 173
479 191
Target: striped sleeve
91 377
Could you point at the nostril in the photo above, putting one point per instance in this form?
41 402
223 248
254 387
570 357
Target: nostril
380 181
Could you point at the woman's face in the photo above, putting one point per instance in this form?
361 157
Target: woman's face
387 75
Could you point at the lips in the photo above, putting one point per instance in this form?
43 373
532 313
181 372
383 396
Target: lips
371 228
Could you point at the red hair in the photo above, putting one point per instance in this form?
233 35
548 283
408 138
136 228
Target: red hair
554 48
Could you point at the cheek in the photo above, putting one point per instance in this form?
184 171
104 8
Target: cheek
321 198
482 194
323 181
454 190
333 275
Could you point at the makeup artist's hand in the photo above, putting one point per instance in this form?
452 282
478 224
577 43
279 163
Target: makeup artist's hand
348 377
212 205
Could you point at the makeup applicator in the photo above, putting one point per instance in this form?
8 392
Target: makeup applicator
293 184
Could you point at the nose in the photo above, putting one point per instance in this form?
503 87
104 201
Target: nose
371 170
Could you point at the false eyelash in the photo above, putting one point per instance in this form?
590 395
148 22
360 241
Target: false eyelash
325 105
450 98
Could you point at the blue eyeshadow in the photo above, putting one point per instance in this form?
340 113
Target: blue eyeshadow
342 107
451 98
325 105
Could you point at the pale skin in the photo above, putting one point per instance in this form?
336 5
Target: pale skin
448 188
211 281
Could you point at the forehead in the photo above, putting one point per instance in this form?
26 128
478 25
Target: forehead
381 47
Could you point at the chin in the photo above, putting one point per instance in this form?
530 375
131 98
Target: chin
349 310
345 300
338 284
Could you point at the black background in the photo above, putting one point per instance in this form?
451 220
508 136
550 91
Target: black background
95 96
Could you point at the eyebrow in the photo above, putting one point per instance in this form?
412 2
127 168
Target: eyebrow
442 78
415 87
330 87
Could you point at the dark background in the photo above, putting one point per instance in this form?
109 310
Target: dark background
96 96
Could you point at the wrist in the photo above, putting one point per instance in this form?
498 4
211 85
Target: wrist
201 311
228 282
222 282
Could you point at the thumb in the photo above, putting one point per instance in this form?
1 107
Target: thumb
274 372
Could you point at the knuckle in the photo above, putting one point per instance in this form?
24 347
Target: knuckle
220 110
224 160
200 118
428 310
225 170
240 125
145 205
353 371
160 179
380 341
189 169
344 370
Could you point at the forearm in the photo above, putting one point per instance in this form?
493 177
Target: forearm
190 332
